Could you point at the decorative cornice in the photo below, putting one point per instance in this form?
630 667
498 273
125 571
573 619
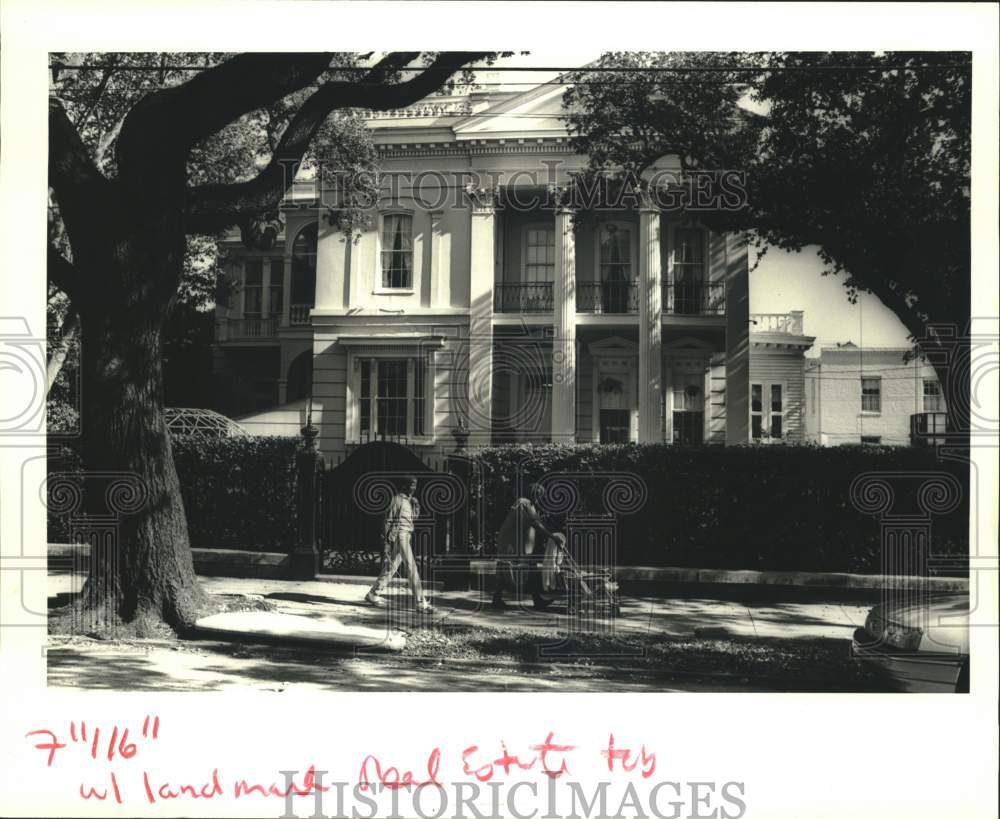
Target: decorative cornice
452 108
504 147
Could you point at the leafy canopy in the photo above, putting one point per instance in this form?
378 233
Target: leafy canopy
866 156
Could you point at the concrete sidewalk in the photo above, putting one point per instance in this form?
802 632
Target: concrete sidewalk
690 616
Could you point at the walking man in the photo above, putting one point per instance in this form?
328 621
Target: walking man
516 540
397 535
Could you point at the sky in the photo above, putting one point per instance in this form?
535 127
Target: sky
792 281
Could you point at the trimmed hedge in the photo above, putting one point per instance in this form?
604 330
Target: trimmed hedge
239 493
742 507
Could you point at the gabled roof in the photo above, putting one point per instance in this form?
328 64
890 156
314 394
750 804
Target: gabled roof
532 113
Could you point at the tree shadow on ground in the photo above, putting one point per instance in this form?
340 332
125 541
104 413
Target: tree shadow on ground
69 668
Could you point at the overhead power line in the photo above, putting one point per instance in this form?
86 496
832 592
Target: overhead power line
551 69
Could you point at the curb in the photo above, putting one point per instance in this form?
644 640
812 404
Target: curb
242 564
749 577
273 565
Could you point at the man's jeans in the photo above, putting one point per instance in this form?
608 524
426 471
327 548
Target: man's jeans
396 552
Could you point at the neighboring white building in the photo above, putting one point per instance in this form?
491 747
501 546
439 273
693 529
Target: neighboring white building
872 395
465 309
777 377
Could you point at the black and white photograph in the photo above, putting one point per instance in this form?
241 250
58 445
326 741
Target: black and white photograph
578 369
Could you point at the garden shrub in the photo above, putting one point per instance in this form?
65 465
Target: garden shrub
736 507
239 493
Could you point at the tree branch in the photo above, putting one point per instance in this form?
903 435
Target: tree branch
175 119
61 272
78 184
212 208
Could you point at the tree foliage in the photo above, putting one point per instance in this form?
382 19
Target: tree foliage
865 156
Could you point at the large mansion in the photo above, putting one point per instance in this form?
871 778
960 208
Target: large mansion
485 308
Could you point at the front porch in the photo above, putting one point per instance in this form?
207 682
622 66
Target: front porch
536 401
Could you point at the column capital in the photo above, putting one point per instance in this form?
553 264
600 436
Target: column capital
561 198
483 199
648 203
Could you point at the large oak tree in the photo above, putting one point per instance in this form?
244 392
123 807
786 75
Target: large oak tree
146 152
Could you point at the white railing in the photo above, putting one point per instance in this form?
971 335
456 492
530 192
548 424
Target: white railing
790 322
298 314
444 108
248 328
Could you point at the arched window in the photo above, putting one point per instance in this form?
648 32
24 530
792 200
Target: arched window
303 275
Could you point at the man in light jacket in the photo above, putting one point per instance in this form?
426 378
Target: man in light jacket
397 535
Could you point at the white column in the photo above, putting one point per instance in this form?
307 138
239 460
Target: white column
286 303
564 335
440 262
650 327
410 373
480 387
265 283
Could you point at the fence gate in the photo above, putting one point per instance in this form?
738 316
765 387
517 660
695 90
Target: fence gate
355 496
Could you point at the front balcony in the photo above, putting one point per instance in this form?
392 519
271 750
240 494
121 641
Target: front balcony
248 329
613 298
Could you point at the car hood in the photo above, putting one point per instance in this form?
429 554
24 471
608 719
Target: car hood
944 620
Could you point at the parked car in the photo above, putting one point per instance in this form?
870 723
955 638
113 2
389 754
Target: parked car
919 646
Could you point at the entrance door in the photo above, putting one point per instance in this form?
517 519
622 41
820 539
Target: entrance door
689 404
615 426
616 408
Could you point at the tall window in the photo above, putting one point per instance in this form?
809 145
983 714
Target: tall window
777 411
390 405
253 288
539 255
689 409
277 287
933 399
391 398
767 412
304 271
616 268
616 253
397 251
871 394
689 270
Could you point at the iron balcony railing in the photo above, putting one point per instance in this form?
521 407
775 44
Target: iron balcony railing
614 298
607 297
694 298
523 298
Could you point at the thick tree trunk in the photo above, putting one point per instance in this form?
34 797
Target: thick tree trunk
142 578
